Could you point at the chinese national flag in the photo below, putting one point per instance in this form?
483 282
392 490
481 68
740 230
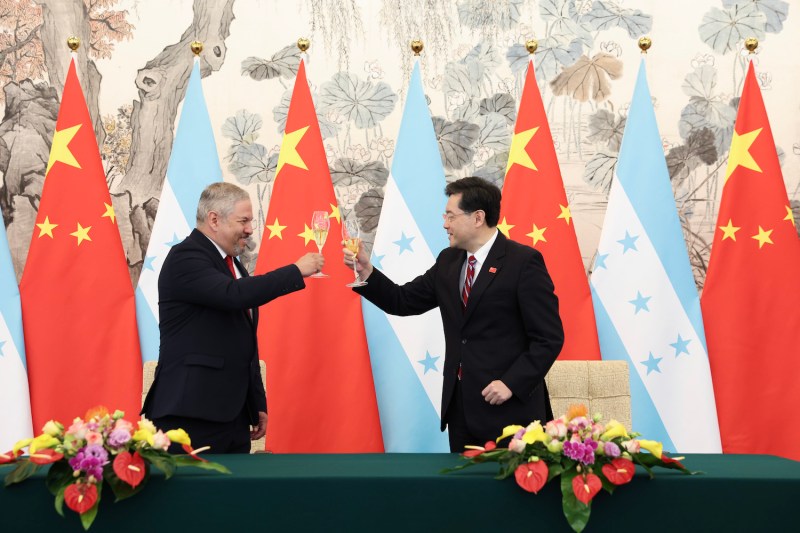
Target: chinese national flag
749 301
78 310
535 212
319 379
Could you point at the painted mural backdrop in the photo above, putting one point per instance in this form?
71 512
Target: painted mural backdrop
135 62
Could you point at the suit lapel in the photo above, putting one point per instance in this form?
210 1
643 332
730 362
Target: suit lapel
493 263
253 314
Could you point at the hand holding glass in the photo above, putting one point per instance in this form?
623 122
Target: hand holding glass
320 224
351 234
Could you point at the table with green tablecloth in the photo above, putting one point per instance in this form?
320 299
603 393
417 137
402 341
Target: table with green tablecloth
407 492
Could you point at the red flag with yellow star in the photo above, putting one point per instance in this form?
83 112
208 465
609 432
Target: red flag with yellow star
750 299
535 212
319 378
78 310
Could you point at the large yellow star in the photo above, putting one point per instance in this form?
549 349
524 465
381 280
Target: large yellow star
740 152
518 154
109 212
288 154
46 228
335 213
763 237
537 234
308 235
59 151
82 234
729 231
505 228
275 229
789 215
565 213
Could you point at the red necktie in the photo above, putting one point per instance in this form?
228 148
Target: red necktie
229 262
468 281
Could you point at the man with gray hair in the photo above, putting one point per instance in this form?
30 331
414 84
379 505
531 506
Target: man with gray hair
208 380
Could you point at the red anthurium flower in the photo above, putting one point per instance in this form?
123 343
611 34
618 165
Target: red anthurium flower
194 453
585 488
669 460
620 471
9 457
477 450
532 476
80 497
46 456
129 468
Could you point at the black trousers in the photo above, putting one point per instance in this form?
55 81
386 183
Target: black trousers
457 430
223 437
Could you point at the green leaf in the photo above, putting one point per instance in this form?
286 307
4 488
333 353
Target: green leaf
88 517
185 460
161 460
23 471
58 477
59 502
575 511
555 470
120 488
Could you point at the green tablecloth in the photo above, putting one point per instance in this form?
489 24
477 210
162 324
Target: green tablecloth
406 492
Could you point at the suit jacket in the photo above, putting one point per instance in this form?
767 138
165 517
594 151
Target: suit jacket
510 330
208 359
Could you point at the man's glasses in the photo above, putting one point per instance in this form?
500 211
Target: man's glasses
449 217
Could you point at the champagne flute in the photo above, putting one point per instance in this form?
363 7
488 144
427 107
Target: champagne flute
351 234
320 224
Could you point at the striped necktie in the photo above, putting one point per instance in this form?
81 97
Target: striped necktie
468 281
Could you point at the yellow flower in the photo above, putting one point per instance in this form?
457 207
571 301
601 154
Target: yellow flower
535 433
146 425
43 442
143 435
21 444
613 430
179 436
652 446
52 428
508 431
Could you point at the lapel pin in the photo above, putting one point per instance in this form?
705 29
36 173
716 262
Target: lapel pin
492 270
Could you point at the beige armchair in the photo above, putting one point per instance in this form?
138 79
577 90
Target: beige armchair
602 386
149 374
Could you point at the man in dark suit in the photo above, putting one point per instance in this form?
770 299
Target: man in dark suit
500 316
208 380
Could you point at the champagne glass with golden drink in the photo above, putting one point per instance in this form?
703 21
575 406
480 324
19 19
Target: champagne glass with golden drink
351 234
320 224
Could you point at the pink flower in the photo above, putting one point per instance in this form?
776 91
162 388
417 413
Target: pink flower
124 424
93 437
556 428
516 445
161 441
632 446
77 429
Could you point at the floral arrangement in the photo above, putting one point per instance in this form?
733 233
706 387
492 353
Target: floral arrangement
587 454
100 447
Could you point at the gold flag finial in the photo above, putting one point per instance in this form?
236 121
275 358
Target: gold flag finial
644 44
303 44
751 44
74 43
196 47
531 45
417 46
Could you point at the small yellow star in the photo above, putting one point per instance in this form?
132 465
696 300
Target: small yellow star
729 231
82 234
275 229
46 228
505 228
565 213
537 234
109 212
335 213
308 235
740 152
789 215
763 237
59 151
288 154
518 154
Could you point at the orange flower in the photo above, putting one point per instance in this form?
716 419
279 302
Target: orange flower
98 411
576 410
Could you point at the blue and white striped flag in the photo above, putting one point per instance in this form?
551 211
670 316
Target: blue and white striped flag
645 299
193 165
407 353
15 413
